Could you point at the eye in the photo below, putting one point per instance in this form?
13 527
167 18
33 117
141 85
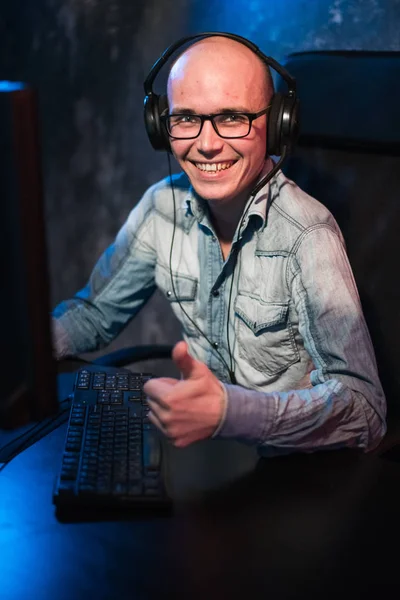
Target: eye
232 119
183 119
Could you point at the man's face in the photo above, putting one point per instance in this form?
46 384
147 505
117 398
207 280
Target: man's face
214 76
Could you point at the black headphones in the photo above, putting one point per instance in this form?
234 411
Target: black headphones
283 117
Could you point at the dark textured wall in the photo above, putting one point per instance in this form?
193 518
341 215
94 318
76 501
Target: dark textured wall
88 60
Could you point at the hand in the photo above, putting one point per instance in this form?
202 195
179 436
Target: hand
189 409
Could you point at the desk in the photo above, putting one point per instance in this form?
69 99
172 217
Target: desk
305 526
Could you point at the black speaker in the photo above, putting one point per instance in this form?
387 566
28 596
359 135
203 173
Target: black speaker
283 118
28 390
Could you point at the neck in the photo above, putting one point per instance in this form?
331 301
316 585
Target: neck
225 218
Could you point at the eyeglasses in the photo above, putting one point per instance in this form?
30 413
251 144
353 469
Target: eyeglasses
227 125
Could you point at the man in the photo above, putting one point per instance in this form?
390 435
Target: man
262 285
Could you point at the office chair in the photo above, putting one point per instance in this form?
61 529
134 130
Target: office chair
348 157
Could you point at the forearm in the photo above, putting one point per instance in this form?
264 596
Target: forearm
80 325
326 416
120 284
62 344
75 329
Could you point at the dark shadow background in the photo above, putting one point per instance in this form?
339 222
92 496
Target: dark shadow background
88 60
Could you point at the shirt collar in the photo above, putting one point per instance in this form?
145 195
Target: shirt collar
194 205
259 203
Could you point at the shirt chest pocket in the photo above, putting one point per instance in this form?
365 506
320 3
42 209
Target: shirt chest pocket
265 337
181 292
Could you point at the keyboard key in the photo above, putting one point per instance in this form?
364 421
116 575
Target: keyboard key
134 489
77 421
134 475
151 492
66 489
151 449
73 447
68 474
119 488
151 483
71 460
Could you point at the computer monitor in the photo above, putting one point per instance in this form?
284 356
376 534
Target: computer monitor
28 374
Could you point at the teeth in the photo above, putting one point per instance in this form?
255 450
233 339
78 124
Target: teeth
214 166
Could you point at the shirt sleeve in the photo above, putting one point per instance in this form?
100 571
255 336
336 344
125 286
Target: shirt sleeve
119 285
345 404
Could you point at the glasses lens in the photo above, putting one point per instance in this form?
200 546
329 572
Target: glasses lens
183 126
232 125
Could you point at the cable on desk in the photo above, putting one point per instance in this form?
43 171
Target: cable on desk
34 434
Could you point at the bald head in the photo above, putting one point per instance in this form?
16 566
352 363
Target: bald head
227 62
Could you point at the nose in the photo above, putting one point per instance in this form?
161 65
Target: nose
209 142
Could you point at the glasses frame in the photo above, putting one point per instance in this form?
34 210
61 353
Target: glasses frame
251 116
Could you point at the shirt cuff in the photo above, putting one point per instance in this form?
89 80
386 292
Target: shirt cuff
60 340
224 409
249 415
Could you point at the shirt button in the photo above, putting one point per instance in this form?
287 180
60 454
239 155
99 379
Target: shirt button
214 239
169 294
215 293
215 345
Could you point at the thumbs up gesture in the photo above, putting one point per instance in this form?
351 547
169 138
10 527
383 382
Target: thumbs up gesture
190 409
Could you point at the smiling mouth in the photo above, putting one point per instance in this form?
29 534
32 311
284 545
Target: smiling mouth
214 167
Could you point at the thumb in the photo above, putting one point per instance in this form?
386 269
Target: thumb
188 366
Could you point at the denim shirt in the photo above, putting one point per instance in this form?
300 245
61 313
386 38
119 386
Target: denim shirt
306 376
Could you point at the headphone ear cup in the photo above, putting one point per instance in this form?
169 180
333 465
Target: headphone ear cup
274 125
154 106
163 108
283 124
293 124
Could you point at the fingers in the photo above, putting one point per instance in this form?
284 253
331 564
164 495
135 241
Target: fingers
171 380
188 366
160 418
157 389
155 419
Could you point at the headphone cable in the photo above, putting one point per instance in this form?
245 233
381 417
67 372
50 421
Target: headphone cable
264 180
253 193
230 371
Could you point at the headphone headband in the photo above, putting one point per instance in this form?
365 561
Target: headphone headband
156 68
282 119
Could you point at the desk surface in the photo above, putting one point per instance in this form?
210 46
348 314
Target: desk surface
308 526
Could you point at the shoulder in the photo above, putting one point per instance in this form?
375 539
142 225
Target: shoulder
160 195
157 202
296 206
292 213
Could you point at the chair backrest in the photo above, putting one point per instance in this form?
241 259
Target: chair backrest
348 157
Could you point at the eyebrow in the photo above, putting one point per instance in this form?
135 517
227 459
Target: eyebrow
188 111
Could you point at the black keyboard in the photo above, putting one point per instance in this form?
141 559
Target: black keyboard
112 453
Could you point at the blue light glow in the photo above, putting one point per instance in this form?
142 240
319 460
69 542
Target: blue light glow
11 86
